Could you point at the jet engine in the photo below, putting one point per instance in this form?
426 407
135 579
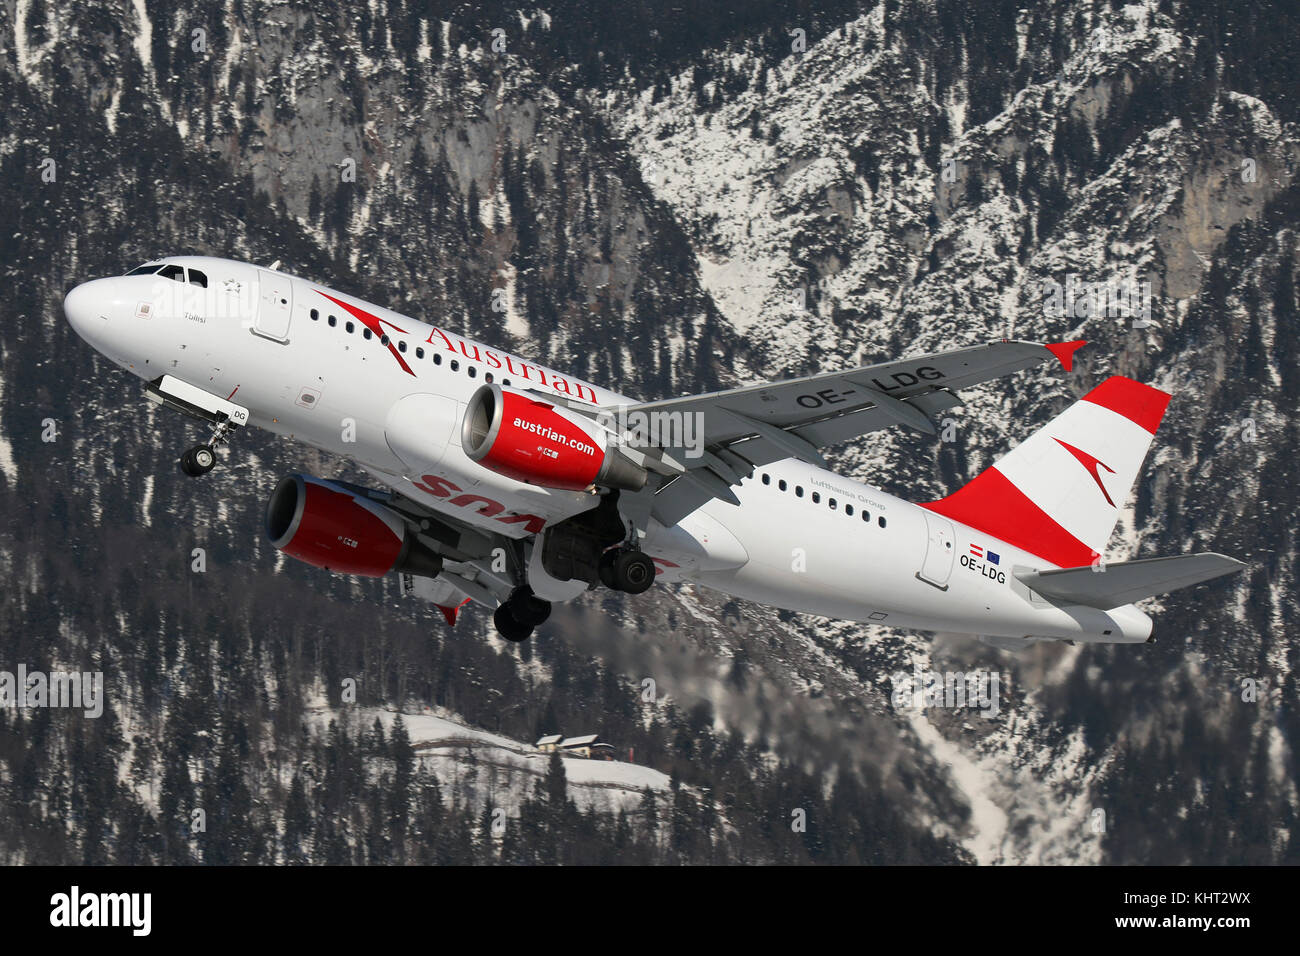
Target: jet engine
333 526
525 437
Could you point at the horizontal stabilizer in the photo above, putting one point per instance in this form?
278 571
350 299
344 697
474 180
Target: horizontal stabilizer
1128 581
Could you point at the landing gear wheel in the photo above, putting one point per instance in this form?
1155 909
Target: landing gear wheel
605 569
528 607
199 460
634 572
508 627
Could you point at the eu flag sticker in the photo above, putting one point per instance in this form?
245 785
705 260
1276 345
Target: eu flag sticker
992 557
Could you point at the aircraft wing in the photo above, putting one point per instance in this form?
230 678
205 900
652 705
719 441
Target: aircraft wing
699 446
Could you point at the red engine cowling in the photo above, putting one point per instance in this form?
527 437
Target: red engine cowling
331 526
529 439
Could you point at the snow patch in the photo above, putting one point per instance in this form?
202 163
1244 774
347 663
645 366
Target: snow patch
143 42
452 751
988 820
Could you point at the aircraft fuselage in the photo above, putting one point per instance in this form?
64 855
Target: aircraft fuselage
389 392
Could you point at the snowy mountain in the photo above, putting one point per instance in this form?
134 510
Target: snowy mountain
672 201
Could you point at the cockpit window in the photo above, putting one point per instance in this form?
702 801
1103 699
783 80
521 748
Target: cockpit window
148 269
173 272
198 278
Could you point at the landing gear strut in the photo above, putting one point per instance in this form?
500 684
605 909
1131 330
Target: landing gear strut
201 459
516 617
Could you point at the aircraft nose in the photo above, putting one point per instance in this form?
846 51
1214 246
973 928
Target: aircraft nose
81 307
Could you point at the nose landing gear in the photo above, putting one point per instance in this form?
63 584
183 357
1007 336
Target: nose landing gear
201 459
223 414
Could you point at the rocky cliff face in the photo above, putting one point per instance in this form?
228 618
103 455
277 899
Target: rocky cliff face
726 198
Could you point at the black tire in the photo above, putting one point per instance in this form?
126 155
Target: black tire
508 627
199 460
634 571
605 569
204 458
527 607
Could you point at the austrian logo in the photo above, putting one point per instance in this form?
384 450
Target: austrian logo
375 325
1091 463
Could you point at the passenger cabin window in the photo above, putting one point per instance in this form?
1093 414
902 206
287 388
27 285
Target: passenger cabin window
505 381
365 333
767 479
314 315
798 491
383 339
419 352
198 278
455 366
848 510
173 272
472 371
781 484
349 327
816 497
881 521
401 346
831 502
487 376
437 358
332 321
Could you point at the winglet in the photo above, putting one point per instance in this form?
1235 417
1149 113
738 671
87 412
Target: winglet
1064 352
450 612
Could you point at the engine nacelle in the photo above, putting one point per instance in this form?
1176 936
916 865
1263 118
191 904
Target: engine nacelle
331 526
525 437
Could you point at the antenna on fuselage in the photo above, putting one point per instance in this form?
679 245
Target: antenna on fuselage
274 266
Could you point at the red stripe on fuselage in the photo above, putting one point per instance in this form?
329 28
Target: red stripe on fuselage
374 324
993 505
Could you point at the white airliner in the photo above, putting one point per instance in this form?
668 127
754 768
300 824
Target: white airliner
513 485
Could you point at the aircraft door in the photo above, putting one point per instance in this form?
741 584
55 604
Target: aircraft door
274 306
940 550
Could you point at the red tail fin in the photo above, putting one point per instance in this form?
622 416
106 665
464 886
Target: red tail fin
1057 494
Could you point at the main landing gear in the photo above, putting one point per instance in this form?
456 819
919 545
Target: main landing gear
626 569
596 545
201 459
516 617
